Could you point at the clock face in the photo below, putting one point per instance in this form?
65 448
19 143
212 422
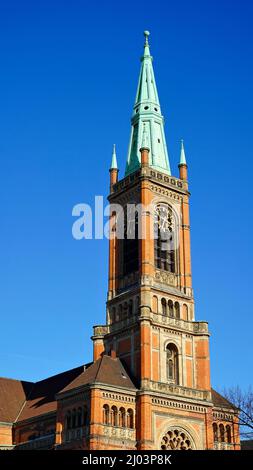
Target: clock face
163 218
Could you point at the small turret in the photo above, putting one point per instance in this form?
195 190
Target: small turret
114 169
182 164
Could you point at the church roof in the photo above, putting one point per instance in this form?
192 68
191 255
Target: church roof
21 400
221 402
13 395
42 397
106 370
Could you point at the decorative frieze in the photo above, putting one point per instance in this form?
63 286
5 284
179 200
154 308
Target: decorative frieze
118 433
223 446
178 405
194 327
172 389
166 278
117 396
223 416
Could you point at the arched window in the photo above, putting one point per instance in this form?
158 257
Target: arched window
130 308
222 433
164 306
164 234
114 413
215 432
185 312
113 315
74 416
79 417
122 417
176 440
177 310
106 414
155 304
171 308
172 364
228 434
131 243
68 420
130 418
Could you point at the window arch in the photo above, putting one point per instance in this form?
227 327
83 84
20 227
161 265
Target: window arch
130 418
185 312
171 308
177 310
172 363
68 420
176 439
164 306
106 414
164 238
222 432
215 432
114 413
155 304
122 417
228 434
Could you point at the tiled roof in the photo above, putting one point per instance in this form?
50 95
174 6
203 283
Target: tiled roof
42 399
13 394
105 370
220 401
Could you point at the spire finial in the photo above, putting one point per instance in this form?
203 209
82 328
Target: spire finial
114 165
146 34
146 45
182 155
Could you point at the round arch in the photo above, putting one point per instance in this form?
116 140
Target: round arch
190 433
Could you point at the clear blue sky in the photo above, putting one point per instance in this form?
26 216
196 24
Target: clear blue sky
67 85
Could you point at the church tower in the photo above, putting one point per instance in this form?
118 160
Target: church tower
150 322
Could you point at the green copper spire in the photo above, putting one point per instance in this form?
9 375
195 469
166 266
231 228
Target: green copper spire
147 111
114 165
182 155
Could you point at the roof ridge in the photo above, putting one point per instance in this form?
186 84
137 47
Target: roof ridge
60 373
16 380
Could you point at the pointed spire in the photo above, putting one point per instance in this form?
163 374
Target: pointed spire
114 165
147 110
182 155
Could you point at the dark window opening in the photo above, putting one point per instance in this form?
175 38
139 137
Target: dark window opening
131 245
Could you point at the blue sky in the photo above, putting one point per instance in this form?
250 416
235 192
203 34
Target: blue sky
68 79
